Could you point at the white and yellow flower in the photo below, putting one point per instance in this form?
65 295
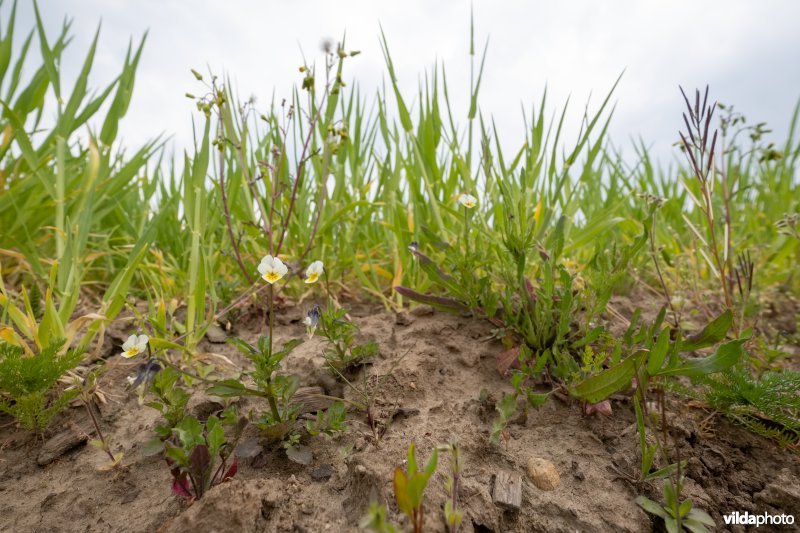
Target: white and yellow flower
314 271
272 269
135 345
467 200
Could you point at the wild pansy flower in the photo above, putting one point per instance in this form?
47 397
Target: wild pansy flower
314 271
311 321
272 269
467 200
145 375
135 345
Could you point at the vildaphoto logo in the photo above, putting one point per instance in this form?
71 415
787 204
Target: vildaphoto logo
765 519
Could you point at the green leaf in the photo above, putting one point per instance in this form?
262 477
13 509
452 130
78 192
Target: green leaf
190 432
710 335
656 359
231 388
701 516
48 55
215 435
651 507
430 468
725 357
153 447
598 388
685 507
671 525
177 454
243 346
402 110
411 459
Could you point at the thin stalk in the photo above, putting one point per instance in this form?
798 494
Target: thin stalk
97 428
270 392
665 436
466 231
225 208
654 255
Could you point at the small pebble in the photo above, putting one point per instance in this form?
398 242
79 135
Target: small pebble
543 473
322 473
216 334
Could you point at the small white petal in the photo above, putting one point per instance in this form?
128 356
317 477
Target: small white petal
129 343
467 200
281 268
314 268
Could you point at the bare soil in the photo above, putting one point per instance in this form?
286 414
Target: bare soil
434 395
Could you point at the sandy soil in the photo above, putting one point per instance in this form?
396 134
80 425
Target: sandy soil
433 396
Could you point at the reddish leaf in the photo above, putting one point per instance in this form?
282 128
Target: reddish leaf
180 486
507 360
232 470
200 461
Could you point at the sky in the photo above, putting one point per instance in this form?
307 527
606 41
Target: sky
747 51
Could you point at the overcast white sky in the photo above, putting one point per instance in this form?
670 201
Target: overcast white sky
748 51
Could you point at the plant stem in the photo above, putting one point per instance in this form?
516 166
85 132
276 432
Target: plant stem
89 410
270 392
466 231
226 209
658 270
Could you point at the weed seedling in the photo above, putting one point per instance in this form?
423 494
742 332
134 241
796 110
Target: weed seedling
677 515
27 383
170 398
452 515
375 520
200 455
409 487
342 352
276 388
330 422
89 390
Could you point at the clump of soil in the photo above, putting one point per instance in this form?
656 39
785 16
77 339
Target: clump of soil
441 364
